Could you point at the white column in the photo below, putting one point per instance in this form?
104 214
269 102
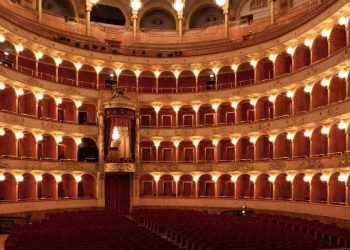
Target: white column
272 11
40 11
134 20
87 17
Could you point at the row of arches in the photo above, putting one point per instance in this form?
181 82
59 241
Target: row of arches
318 187
46 186
270 67
303 143
28 145
287 103
44 106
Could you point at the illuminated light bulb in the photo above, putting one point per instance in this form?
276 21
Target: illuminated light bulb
272 178
253 139
156 177
343 21
2 131
115 134
234 67
176 143
58 178
38 178
38 55
78 178
19 48
253 102
78 66
176 74
325 82
324 177
234 178
253 63
234 104
39 137
326 33
58 61
19 178
118 71
39 96
343 125
343 177
19 135
2 177
178 5
78 103
215 70
290 178
308 42
176 178
196 72
291 51
325 130
94 1
135 5
272 138
220 2
290 136
234 140
78 141
272 58
308 88
343 74
156 108
196 178
58 139
156 143
196 142
307 178
290 93
2 86
176 109
2 38
253 178
98 69
137 73
272 98
308 133
19 92
157 73
58 100
215 106
215 142
215 178
195 107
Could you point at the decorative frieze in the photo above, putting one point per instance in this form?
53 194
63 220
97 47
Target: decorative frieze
120 167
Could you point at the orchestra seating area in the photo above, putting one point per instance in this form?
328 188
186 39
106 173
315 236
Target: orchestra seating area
195 230
85 230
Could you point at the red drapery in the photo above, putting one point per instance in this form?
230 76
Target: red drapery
117 192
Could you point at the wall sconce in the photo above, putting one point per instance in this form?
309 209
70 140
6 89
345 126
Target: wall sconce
19 178
273 58
98 69
156 143
58 139
156 177
326 33
115 134
253 178
78 178
272 138
2 177
308 42
78 103
38 178
290 94
290 136
215 178
234 178
253 63
215 142
234 67
38 137
253 139
343 74
272 178
38 55
39 96
343 177
176 108
137 73
19 135
307 178
253 102
58 178
196 142
19 48
308 133
78 66
343 125
176 143
176 74
234 140
290 178
234 104
325 130
215 70
19 92
325 177
58 100
196 178
195 107
2 86
196 72
215 106
176 178
78 141
272 98
325 82
343 21
58 61
135 5
118 72
156 108
2 131
308 88
2 38
291 50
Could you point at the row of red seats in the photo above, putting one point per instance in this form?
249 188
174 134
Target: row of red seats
194 230
85 230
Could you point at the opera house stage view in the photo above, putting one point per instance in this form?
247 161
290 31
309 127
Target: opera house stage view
174 124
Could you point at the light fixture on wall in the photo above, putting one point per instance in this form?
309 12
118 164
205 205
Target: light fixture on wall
234 178
325 130
343 177
343 125
58 61
94 1
2 131
325 177
2 86
58 178
115 134
78 140
38 178
272 178
19 48
307 178
178 5
291 50
220 2
19 135
19 92
2 38
135 5
19 178
78 178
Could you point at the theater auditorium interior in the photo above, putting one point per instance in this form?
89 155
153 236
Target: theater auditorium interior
174 124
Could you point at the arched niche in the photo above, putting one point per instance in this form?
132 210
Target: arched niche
337 190
319 189
186 186
27 103
226 187
27 188
283 188
206 15
87 187
8 188
87 150
263 187
187 81
27 146
157 18
147 185
67 187
103 13
64 8
47 108
8 99
8 144
47 188
206 186
301 189
244 187
166 185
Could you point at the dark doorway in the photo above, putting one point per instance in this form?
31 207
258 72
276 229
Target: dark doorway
117 192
